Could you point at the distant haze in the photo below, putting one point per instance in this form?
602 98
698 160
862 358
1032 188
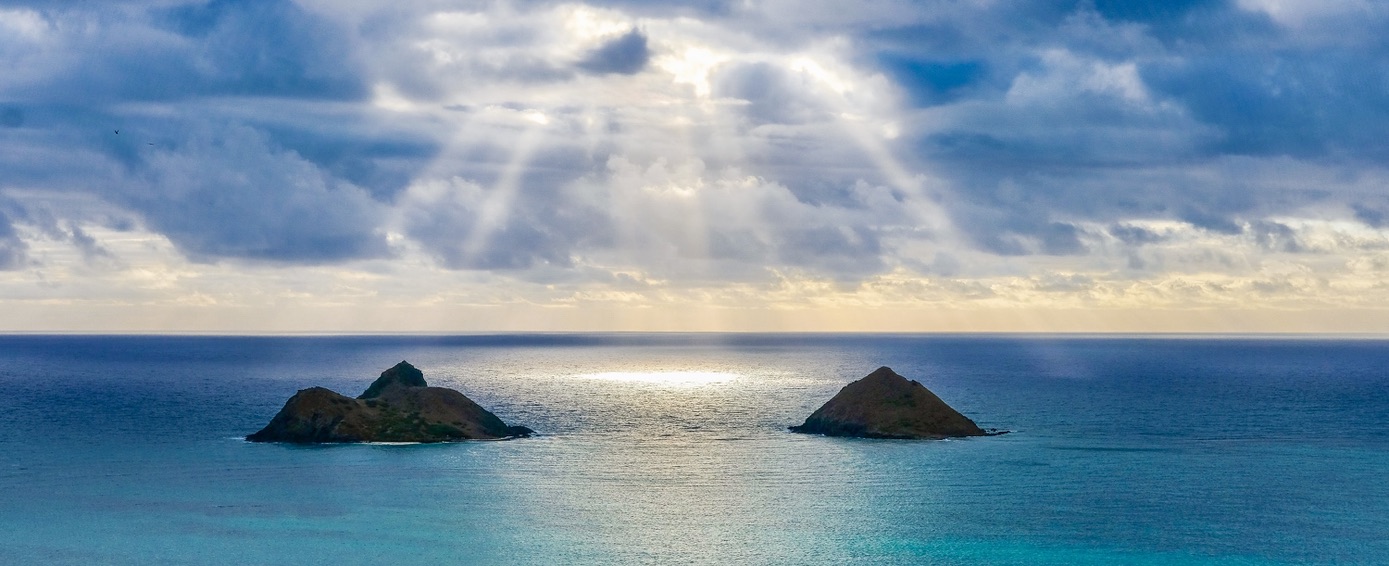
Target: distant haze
354 166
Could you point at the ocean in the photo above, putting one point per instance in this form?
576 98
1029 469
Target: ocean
673 449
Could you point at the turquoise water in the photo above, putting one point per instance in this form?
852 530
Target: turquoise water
660 449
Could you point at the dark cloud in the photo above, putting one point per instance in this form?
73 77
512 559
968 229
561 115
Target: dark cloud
838 251
64 230
1067 109
220 188
1059 238
224 47
1135 235
624 55
270 48
536 222
85 243
257 146
226 191
1028 237
1275 237
773 94
1214 222
364 150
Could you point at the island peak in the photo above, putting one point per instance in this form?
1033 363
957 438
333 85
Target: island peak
402 374
883 404
398 407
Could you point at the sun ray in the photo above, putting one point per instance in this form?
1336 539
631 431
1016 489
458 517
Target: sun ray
493 212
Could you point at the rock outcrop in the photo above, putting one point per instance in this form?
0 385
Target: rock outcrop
398 407
886 405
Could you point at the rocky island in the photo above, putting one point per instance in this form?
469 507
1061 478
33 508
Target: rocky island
886 405
398 407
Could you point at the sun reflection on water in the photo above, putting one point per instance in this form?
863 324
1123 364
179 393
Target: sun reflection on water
673 378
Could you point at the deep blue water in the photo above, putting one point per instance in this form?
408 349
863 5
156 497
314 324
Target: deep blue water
672 449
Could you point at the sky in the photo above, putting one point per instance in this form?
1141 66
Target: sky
742 165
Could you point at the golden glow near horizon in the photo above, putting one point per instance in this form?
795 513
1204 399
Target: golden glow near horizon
154 288
160 290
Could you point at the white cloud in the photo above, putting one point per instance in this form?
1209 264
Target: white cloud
1300 13
25 24
1065 75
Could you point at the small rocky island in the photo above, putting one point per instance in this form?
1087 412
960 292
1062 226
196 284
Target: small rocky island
886 405
398 407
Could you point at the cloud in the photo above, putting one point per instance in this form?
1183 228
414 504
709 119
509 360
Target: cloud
773 93
52 226
1285 106
12 248
466 226
697 223
226 191
1276 237
626 149
1135 235
223 47
1372 216
623 55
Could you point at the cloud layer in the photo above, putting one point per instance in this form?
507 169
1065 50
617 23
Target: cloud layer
760 155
